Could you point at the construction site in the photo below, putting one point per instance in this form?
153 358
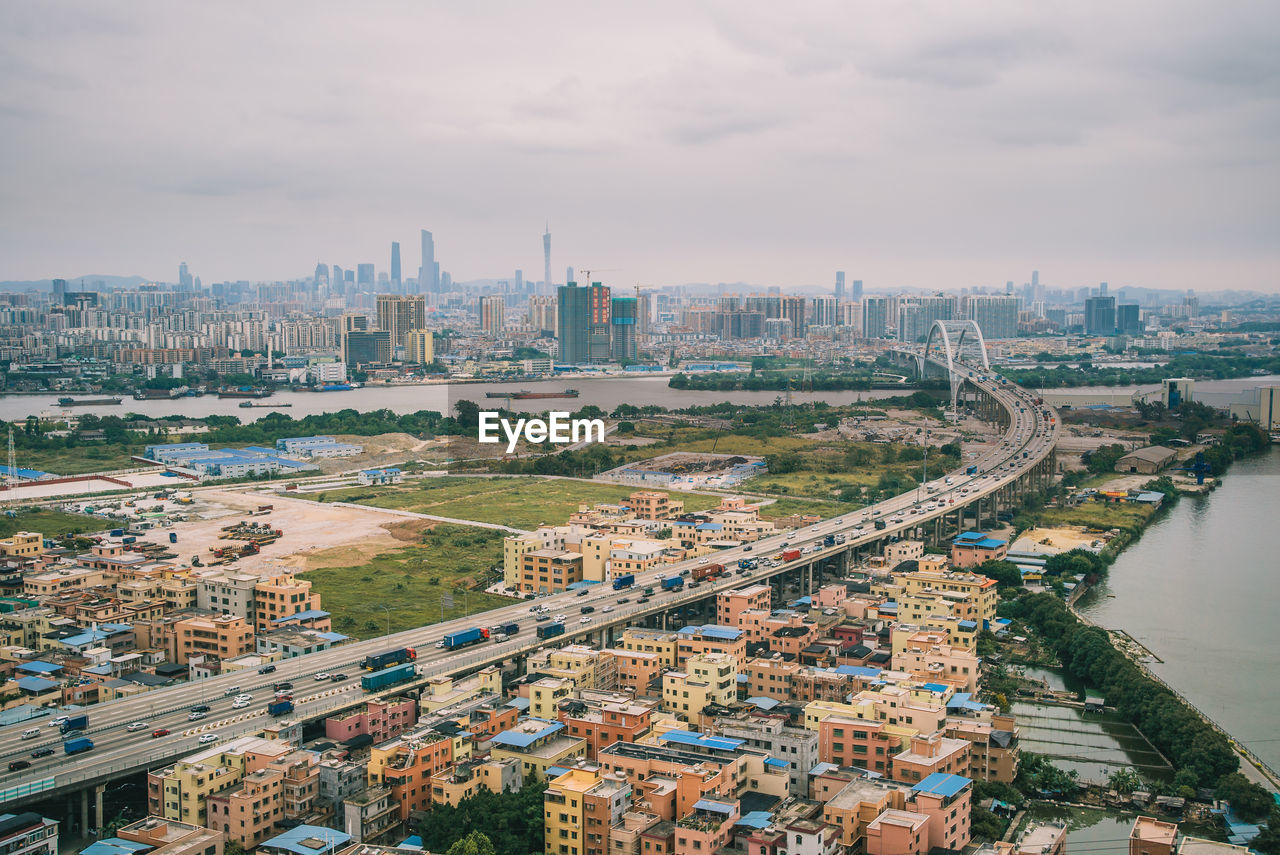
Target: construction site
689 469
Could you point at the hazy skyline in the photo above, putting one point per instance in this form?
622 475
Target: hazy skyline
914 144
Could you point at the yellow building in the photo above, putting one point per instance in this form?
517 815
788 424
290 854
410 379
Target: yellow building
707 678
587 667
659 642
546 694
23 544
464 780
179 792
579 809
538 745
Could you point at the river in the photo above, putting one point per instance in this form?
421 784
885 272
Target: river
606 393
1200 589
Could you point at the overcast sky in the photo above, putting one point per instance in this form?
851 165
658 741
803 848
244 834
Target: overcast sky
910 144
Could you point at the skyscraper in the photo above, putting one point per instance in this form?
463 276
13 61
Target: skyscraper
364 275
429 273
875 317
995 314
1102 289
519 281
395 265
546 256
916 316
184 278
839 284
568 275
398 314
322 274
622 323
582 323
1100 316
493 314
1129 319
857 290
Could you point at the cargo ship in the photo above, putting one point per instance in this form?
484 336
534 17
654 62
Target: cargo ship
247 405
89 402
243 392
523 395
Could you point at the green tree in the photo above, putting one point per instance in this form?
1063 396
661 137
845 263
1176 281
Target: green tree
1124 781
1246 798
475 843
1006 573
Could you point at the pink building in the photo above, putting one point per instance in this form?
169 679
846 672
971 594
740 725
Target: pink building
379 719
935 815
731 604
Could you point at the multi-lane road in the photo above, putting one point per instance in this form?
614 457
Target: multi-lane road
1027 441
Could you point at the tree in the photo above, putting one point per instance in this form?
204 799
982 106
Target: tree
1005 573
1246 798
1124 781
475 843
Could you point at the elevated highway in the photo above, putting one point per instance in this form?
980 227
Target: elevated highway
1021 462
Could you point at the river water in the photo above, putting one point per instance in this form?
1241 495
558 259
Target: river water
1200 589
606 393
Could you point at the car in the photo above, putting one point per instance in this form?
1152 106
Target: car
137 725
15 765
583 592
321 677
282 686
42 752
205 739
267 669
60 721
584 620
283 696
607 609
746 548
201 708
72 734
622 600
559 618
785 544
643 600
230 690
239 704
245 697
196 716
440 644
337 678
541 617
586 610
704 560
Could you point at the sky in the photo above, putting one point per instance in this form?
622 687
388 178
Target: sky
910 144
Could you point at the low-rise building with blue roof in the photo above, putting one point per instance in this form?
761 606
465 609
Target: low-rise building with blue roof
305 840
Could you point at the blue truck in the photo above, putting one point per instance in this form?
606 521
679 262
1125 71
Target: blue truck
378 661
281 707
507 629
624 581
463 637
75 722
972 470
673 583
388 677
829 540
76 746
747 564
550 630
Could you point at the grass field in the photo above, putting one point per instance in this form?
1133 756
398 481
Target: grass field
78 461
787 507
411 581
49 523
1097 515
520 502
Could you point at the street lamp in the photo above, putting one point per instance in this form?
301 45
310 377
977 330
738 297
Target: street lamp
387 609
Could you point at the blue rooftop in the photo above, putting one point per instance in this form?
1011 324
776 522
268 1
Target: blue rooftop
308 840
935 687
309 614
774 761
711 630
763 703
521 739
36 684
24 474
756 819
942 784
38 667
858 671
688 737
714 807
115 846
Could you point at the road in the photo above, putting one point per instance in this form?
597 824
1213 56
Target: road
1029 438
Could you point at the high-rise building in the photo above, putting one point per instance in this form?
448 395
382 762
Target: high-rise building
184 277
59 288
429 273
493 314
875 317
839 284
546 257
793 310
644 313
322 274
1100 315
395 264
822 311
995 314
352 322
399 313
1102 289
519 285
856 293
419 347
568 275
364 275
850 316
917 315
582 323
622 325
361 347
542 314
1129 319
335 279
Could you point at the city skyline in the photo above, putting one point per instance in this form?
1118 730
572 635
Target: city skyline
945 147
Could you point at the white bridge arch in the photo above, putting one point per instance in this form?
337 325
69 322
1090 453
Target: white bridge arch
959 339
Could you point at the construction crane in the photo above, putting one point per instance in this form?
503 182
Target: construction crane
587 271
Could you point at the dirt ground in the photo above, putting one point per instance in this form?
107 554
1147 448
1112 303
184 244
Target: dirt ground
386 449
1058 539
309 528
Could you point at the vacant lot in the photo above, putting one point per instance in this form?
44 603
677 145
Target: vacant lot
410 581
1097 515
49 523
520 502
102 457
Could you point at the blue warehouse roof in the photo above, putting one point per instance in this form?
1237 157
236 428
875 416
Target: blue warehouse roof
942 784
698 740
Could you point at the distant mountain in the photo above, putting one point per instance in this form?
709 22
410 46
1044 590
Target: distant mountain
76 283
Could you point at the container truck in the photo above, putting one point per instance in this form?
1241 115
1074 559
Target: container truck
672 583
281 707
76 746
378 661
75 722
624 581
790 555
550 630
388 677
462 638
505 629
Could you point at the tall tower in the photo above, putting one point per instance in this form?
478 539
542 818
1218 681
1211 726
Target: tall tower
395 264
839 284
429 275
546 255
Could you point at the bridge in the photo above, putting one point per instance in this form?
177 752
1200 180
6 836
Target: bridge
950 345
1023 462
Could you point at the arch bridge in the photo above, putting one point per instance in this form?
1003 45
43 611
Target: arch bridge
954 342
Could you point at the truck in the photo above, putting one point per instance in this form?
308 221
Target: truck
624 581
463 637
829 540
972 470
173 537
790 555
280 707
550 630
388 677
507 629
747 564
879 524
673 583
75 722
705 571
378 661
76 746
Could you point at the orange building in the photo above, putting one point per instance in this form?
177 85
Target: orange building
225 636
731 604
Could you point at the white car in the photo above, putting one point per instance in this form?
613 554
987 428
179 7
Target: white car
321 677
607 609
238 704
208 737
559 618
584 619
704 560
244 697
60 721
440 644
137 725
